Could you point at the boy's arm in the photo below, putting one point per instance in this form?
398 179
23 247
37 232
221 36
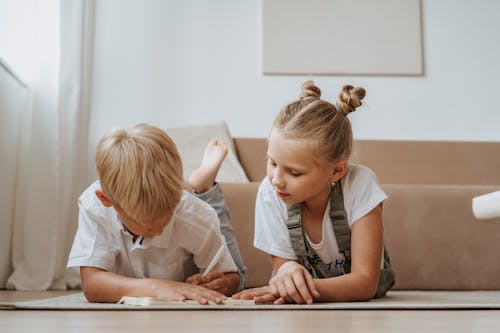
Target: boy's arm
226 283
107 287
233 283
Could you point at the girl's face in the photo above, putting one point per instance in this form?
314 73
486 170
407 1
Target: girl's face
293 172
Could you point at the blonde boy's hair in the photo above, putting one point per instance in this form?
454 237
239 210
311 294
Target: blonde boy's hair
322 126
140 170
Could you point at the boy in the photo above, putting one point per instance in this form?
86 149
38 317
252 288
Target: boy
140 234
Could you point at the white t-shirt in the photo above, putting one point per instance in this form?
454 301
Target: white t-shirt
186 246
361 193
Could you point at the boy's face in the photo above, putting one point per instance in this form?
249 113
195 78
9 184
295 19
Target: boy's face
150 229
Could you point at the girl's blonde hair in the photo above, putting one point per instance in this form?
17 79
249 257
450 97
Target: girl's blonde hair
140 170
320 124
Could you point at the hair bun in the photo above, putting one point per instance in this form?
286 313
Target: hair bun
350 98
309 90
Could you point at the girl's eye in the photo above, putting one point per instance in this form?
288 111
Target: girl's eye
271 162
295 174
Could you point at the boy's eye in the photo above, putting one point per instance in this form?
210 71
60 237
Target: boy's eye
296 174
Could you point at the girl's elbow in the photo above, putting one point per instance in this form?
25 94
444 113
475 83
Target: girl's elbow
369 288
370 293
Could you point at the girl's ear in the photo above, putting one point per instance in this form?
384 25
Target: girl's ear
339 170
103 198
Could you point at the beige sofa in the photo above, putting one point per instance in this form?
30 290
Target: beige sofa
434 241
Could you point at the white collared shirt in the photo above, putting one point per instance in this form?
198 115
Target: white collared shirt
186 246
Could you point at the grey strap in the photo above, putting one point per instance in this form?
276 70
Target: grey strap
342 235
339 220
297 236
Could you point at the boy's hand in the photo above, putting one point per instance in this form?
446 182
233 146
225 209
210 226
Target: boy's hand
225 283
180 291
293 283
199 279
259 295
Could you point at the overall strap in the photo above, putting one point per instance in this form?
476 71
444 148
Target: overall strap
297 236
342 235
339 220
340 229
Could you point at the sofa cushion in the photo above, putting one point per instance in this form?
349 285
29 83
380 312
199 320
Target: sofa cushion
191 143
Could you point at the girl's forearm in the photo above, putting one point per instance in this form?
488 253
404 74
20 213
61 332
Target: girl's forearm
346 288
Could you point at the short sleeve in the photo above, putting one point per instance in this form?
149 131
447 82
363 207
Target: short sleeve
93 244
362 192
271 233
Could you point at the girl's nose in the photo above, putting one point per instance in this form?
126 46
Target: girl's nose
277 181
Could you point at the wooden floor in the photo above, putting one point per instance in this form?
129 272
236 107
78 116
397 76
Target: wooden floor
235 321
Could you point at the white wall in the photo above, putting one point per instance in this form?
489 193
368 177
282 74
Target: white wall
17 32
177 63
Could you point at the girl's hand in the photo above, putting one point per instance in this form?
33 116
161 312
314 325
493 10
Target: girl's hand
226 283
180 291
259 295
293 283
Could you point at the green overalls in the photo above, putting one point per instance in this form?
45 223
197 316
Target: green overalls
316 266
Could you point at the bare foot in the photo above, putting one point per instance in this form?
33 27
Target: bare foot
203 178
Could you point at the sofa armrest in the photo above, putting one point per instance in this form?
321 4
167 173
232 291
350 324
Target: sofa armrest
435 242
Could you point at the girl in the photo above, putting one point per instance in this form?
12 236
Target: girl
318 217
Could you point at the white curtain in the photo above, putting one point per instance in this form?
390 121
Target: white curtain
52 157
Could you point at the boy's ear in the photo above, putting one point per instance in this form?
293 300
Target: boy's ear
103 198
339 170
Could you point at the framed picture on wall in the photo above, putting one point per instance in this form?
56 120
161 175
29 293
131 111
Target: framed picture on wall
351 37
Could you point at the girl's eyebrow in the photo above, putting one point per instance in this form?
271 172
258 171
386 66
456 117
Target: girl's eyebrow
295 168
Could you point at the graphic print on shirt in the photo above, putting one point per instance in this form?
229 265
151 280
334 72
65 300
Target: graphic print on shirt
325 270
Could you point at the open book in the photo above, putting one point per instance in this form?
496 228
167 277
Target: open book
150 301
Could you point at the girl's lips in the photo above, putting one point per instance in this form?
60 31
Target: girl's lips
282 195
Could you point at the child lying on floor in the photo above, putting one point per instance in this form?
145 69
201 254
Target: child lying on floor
141 234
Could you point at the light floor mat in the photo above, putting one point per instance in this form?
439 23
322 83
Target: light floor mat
404 300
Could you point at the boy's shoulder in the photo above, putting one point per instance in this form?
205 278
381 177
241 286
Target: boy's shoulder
193 221
92 206
88 197
192 208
